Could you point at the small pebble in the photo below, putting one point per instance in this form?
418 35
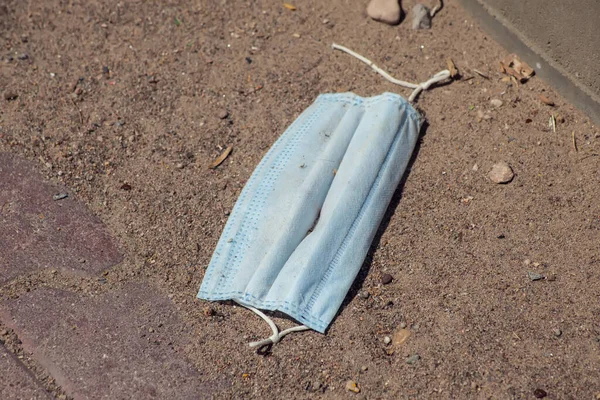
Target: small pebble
352 386
402 325
496 102
179 166
23 56
248 60
534 276
557 332
475 167
527 261
386 278
60 196
386 11
413 359
364 368
208 312
421 18
540 393
364 294
223 114
8 96
501 173
387 340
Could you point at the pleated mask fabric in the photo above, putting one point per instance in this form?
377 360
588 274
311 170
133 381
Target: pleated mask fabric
301 228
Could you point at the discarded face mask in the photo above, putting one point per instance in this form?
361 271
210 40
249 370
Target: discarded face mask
302 226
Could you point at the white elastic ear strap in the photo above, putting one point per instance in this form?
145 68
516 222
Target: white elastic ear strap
418 87
276 336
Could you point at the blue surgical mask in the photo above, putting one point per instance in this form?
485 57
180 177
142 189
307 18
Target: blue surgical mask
302 226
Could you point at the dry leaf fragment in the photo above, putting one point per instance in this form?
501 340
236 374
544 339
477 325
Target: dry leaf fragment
513 66
452 68
221 158
545 100
289 6
400 337
352 386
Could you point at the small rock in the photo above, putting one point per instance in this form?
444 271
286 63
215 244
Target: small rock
501 173
413 359
23 56
364 294
316 385
248 60
209 312
9 96
475 168
223 114
421 18
126 187
387 340
557 332
400 337
352 386
539 393
534 276
386 279
60 196
496 102
364 368
179 166
483 116
402 325
527 261
387 11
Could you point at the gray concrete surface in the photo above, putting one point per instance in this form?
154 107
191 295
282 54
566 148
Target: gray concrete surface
558 38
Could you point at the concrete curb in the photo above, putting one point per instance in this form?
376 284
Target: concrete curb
514 41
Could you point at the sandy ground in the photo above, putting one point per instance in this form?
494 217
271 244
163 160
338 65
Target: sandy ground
116 95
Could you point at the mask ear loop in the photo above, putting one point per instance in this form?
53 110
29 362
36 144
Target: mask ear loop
418 87
276 336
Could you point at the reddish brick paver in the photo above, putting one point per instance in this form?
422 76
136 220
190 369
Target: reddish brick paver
124 344
39 232
16 382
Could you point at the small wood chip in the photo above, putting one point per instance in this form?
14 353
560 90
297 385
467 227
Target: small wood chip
221 158
452 68
574 142
289 6
545 100
481 73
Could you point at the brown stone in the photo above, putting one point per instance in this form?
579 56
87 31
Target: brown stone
17 381
387 11
125 344
39 232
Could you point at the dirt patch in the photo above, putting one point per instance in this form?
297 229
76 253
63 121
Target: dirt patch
128 104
